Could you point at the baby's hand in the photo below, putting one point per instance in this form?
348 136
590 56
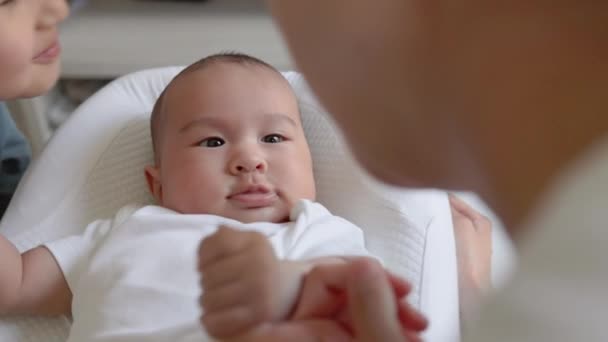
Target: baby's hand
240 277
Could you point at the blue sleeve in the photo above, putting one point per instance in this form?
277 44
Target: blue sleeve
15 155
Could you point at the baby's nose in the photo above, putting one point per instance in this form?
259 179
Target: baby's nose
246 164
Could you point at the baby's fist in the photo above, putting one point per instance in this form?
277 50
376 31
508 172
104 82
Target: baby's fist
240 273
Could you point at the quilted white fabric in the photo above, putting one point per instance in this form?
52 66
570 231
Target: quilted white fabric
94 165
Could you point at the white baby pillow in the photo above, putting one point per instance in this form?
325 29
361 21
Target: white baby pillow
94 165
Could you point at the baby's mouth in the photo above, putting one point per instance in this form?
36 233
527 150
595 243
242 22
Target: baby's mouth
252 197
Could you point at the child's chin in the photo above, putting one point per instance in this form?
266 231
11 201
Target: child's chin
46 77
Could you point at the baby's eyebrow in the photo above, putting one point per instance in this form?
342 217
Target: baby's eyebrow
204 121
218 123
280 117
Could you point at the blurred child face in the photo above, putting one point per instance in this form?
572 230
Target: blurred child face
232 144
29 46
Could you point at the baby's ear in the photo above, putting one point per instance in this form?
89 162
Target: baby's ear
154 183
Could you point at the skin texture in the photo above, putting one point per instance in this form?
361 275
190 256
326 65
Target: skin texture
251 113
27 29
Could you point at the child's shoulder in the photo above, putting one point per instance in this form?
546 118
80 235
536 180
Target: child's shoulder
131 209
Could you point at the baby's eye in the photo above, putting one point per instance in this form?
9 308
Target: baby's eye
212 142
273 138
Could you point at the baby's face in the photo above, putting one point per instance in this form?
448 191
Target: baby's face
233 145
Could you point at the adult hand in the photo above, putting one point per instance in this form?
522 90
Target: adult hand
366 299
354 301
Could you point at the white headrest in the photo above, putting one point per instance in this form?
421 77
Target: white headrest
94 165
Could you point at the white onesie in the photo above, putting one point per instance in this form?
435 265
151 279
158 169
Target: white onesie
134 278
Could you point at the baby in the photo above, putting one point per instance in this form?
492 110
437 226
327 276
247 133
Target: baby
229 141
230 151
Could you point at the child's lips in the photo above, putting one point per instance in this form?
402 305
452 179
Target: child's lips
49 54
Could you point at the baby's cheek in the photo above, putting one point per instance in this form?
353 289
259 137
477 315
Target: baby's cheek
303 187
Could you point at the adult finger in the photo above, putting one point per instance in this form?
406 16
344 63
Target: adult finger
323 291
324 288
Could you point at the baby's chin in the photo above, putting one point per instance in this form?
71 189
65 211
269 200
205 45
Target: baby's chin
269 214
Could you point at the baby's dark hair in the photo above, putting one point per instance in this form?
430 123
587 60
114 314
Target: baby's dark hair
224 57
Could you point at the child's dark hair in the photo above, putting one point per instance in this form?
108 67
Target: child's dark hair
156 117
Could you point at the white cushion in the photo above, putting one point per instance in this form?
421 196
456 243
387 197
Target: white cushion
94 165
